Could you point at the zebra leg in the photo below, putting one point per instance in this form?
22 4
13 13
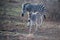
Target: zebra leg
30 26
41 20
36 27
28 23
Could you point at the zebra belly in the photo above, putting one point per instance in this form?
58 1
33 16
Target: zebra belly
33 17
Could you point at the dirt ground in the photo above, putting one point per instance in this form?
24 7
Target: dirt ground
48 31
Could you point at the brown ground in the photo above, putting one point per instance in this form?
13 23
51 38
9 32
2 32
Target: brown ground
48 31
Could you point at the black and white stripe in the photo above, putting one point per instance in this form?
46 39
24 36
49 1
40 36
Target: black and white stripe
36 14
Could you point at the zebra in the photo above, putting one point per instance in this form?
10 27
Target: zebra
35 14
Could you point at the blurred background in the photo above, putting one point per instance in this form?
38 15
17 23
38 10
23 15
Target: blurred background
11 20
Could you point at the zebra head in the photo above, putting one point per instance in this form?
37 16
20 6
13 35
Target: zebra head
24 8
